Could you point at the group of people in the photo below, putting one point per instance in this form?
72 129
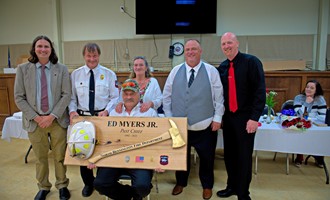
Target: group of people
231 97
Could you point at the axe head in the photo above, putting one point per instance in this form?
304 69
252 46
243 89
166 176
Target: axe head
177 140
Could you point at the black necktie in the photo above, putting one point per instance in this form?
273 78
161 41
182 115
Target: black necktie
192 77
91 93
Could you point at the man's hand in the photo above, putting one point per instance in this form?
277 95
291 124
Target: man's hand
91 166
44 121
159 170
119 107
215 126
146 106
73 114
103 113
251 126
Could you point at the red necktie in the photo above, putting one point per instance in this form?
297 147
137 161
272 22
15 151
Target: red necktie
232 89
44 93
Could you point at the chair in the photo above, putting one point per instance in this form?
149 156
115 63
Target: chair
28 151
287 105
126 179
324 166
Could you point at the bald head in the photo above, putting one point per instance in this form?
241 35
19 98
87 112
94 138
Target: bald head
229 45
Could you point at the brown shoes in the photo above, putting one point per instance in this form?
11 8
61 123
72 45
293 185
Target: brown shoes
177 190
207 193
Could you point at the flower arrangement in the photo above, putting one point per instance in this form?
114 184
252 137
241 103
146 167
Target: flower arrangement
270 102
296 123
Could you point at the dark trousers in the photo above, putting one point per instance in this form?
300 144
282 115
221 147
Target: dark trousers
106 183
300 159
87 175
204 142
238 150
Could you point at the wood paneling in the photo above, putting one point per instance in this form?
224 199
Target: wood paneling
290 83
4 100
7 102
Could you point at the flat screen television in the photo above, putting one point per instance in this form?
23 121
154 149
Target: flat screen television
175 16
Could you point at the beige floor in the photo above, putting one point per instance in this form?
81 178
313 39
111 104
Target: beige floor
271 183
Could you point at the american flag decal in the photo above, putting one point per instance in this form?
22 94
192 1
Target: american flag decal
139 159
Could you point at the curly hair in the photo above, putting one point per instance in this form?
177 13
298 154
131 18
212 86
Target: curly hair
33 56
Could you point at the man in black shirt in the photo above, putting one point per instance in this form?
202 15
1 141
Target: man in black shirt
240 124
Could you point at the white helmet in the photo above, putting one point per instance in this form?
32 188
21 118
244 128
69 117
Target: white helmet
81 139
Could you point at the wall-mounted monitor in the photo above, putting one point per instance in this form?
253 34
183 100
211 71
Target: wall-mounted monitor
175 16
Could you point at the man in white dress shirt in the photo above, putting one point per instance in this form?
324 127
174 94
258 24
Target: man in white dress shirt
106 181
105 96
193 89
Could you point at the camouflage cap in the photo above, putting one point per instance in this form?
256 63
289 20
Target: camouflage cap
130 84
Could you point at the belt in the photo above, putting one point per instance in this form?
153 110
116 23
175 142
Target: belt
87 113
43 114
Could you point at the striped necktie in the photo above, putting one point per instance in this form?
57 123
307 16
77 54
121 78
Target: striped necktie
192 77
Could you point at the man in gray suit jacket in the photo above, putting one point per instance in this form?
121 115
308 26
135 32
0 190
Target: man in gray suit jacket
42 92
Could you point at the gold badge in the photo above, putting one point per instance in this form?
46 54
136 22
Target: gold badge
102 77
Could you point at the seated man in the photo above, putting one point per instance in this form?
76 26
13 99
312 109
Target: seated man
106 181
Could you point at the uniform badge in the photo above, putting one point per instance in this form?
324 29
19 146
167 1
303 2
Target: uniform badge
101 76
163 160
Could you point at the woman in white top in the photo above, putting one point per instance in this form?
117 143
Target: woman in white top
151 95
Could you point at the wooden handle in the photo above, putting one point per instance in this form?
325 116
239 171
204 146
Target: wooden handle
162 137
95 159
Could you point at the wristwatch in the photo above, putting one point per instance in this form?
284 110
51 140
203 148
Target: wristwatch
178 48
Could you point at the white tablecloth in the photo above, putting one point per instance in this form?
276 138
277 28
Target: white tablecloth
272 137
12 128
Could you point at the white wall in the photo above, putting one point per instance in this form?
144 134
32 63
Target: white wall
268 17
97 20
22 20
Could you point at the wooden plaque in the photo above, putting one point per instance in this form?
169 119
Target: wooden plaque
115 133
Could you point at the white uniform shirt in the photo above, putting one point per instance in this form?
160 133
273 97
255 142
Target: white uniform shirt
135 112
106 92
